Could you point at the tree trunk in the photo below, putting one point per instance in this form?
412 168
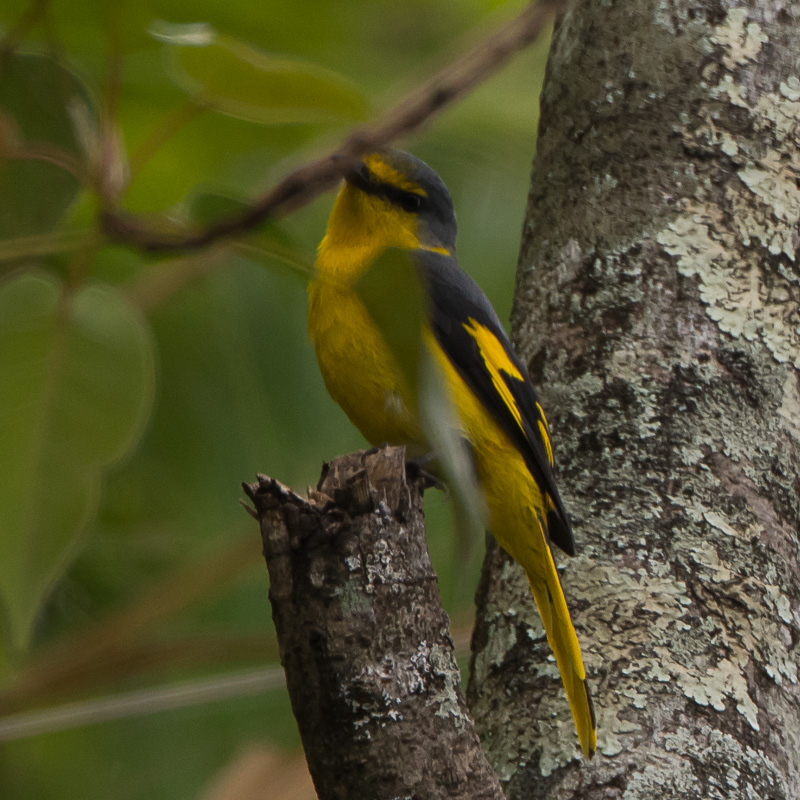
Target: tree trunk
658 307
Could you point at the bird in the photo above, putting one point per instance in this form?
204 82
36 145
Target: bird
392 202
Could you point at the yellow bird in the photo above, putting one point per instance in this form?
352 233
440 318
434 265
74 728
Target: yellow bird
390 199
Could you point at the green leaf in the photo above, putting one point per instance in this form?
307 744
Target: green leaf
76 388
392 292
439 417
395 297
236 78
39 99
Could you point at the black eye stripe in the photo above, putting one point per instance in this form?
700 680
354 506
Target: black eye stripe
408 201
403 198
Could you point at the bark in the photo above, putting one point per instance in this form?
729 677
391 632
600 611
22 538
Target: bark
658 306
363 637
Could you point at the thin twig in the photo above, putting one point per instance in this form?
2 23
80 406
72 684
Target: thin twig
164 698
64 662
112 167
301 186
44 244
50 154
141 702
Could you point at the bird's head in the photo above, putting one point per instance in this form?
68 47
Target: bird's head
392 199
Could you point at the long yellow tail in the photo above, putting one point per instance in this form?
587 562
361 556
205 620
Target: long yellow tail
547 592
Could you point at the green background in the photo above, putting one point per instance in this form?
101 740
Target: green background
138 391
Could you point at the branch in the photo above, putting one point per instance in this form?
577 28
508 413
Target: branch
363 637
304 184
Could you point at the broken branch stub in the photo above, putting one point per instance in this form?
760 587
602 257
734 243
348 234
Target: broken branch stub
363 637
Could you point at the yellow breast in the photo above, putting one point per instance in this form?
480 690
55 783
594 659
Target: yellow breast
358 369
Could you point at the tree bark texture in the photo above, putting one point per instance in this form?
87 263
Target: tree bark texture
658 306
363 638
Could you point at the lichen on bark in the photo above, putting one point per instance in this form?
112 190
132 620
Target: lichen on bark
658 307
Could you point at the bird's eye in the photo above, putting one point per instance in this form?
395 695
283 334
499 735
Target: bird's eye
410 201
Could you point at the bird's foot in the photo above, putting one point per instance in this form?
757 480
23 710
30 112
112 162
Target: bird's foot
416 470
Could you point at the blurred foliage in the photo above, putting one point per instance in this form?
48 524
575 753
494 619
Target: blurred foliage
76 388
37 193
136 391
230 76
393 275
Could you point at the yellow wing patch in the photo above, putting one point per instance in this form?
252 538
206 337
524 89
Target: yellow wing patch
496 360
546 440
544 430
387 174
541 414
